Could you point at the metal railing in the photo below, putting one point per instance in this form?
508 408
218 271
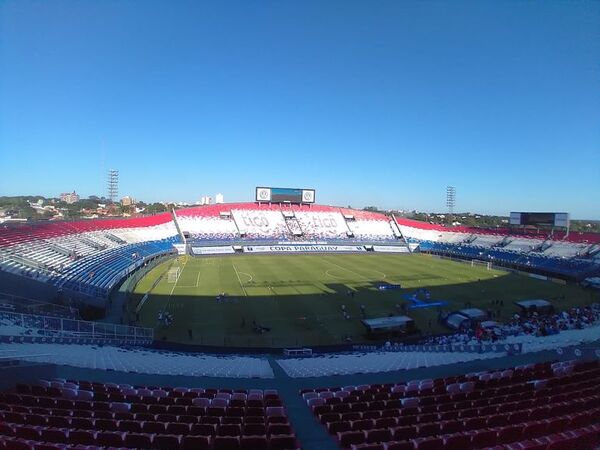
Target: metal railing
35 326
19 304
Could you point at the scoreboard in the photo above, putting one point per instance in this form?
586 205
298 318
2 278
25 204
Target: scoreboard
280 195
540 219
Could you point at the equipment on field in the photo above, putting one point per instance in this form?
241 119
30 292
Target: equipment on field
421 298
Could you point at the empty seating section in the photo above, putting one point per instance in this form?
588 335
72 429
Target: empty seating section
565 250
368 225
98 275
154 233
37 326
62 414
250 221
543 406
542 253
261 223
212 228
522 245
456 237
486 241
573 267
207 223
322 224
11 235
141 360
371 362
87 256
371 230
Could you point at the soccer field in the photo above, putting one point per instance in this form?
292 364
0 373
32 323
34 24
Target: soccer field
300 297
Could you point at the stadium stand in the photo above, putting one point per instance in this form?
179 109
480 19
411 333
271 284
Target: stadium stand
89 257
535 406
283 222
38 328
97 276
321 224
207 223
370 226
262 222
559 255
372 362
140 360
58 414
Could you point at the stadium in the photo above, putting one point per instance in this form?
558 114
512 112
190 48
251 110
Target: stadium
298 325
299 225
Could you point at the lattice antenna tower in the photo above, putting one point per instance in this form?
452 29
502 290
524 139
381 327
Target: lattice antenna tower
113 185
450 198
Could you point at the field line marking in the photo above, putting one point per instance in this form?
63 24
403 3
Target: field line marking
239 281
349 270
198 279
379 271
333 276
248 275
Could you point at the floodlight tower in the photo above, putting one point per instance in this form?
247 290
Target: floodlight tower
450 200
113 185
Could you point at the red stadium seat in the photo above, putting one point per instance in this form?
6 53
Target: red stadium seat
254 443
137 440
166 441
196 443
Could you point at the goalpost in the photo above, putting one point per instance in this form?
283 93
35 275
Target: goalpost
488 265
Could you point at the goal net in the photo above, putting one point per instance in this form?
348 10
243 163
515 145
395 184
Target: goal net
487 265
173 274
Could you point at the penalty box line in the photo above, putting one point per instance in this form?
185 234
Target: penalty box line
193 286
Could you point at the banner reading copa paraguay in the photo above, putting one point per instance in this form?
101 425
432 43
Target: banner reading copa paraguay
302 248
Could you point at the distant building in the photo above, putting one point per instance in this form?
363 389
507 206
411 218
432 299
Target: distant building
219 198
127 201
69 198
206 200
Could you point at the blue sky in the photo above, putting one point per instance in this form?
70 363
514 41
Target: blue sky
381 103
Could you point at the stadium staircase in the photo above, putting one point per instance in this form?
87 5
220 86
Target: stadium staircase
181 236
395 230
348 230
590 251
503 242
469 239
543 246
239 233
93 244
61 250
402 237
23 260
115 239
292 223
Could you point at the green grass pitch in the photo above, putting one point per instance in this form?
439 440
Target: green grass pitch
300 297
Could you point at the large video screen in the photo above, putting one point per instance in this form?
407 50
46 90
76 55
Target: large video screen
281 195
540 219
